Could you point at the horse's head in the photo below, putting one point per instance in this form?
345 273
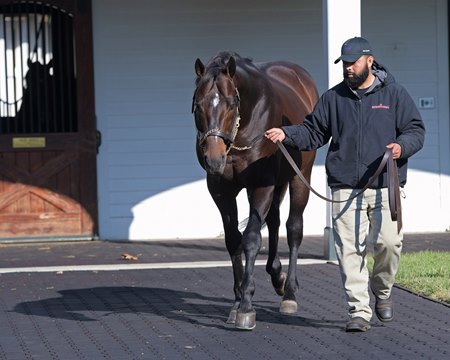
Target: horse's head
37 74
215 106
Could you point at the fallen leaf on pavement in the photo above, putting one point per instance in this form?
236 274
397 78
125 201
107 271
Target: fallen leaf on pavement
126 256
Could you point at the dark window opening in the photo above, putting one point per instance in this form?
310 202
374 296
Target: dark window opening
38 86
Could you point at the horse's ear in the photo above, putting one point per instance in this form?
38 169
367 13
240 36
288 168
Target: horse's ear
231 66
199 68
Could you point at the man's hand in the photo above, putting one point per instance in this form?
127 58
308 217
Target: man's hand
275 134
396 150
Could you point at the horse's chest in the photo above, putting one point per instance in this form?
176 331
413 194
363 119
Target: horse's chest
236 165
243 171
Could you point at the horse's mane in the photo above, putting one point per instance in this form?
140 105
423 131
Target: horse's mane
219 62
222 57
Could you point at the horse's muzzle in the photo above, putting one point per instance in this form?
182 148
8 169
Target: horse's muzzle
215 168
214 151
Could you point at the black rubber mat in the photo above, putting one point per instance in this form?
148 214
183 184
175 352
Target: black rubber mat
181 314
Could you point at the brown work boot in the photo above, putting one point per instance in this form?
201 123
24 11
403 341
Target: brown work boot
384 309
357 324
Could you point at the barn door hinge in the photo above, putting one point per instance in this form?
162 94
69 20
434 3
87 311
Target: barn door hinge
98 137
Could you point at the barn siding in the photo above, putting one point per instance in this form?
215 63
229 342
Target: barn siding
406 35
150 184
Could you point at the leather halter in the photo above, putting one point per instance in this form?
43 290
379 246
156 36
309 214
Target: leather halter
393 183
228 138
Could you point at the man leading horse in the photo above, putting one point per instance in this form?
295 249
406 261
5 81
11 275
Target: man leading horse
365 113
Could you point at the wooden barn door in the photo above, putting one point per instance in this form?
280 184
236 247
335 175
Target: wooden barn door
47 121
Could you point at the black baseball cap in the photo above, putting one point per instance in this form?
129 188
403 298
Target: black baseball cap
353 49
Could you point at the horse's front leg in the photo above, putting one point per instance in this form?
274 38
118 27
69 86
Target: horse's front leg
260 200
233 242
226 203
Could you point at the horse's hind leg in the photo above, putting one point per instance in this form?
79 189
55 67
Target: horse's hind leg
298 199
273 266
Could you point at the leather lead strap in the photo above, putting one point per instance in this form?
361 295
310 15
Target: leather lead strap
393 183
394 193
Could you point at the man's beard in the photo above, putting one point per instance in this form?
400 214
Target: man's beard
356 80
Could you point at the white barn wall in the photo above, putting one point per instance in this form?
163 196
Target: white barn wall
409 36
150 184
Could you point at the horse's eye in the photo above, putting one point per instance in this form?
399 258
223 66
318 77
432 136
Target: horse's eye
197 118
232 104
198 124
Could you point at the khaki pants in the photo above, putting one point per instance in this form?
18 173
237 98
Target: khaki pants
357 223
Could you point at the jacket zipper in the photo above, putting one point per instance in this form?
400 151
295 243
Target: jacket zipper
360 140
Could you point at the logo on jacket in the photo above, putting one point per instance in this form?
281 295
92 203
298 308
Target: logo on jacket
381 106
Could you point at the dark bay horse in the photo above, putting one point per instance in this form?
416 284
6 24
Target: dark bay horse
235 102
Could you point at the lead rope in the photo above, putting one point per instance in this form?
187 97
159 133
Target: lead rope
393 183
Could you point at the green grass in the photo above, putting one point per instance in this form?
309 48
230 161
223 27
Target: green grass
426 273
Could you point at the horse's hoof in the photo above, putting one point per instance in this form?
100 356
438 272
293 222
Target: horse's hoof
280 290
232 317
245 321
288 307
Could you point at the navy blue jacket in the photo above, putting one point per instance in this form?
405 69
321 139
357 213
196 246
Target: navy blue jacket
360 129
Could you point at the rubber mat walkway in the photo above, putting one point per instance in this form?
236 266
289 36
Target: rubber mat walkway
50 308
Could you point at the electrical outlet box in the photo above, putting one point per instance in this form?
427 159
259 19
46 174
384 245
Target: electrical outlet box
426 102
